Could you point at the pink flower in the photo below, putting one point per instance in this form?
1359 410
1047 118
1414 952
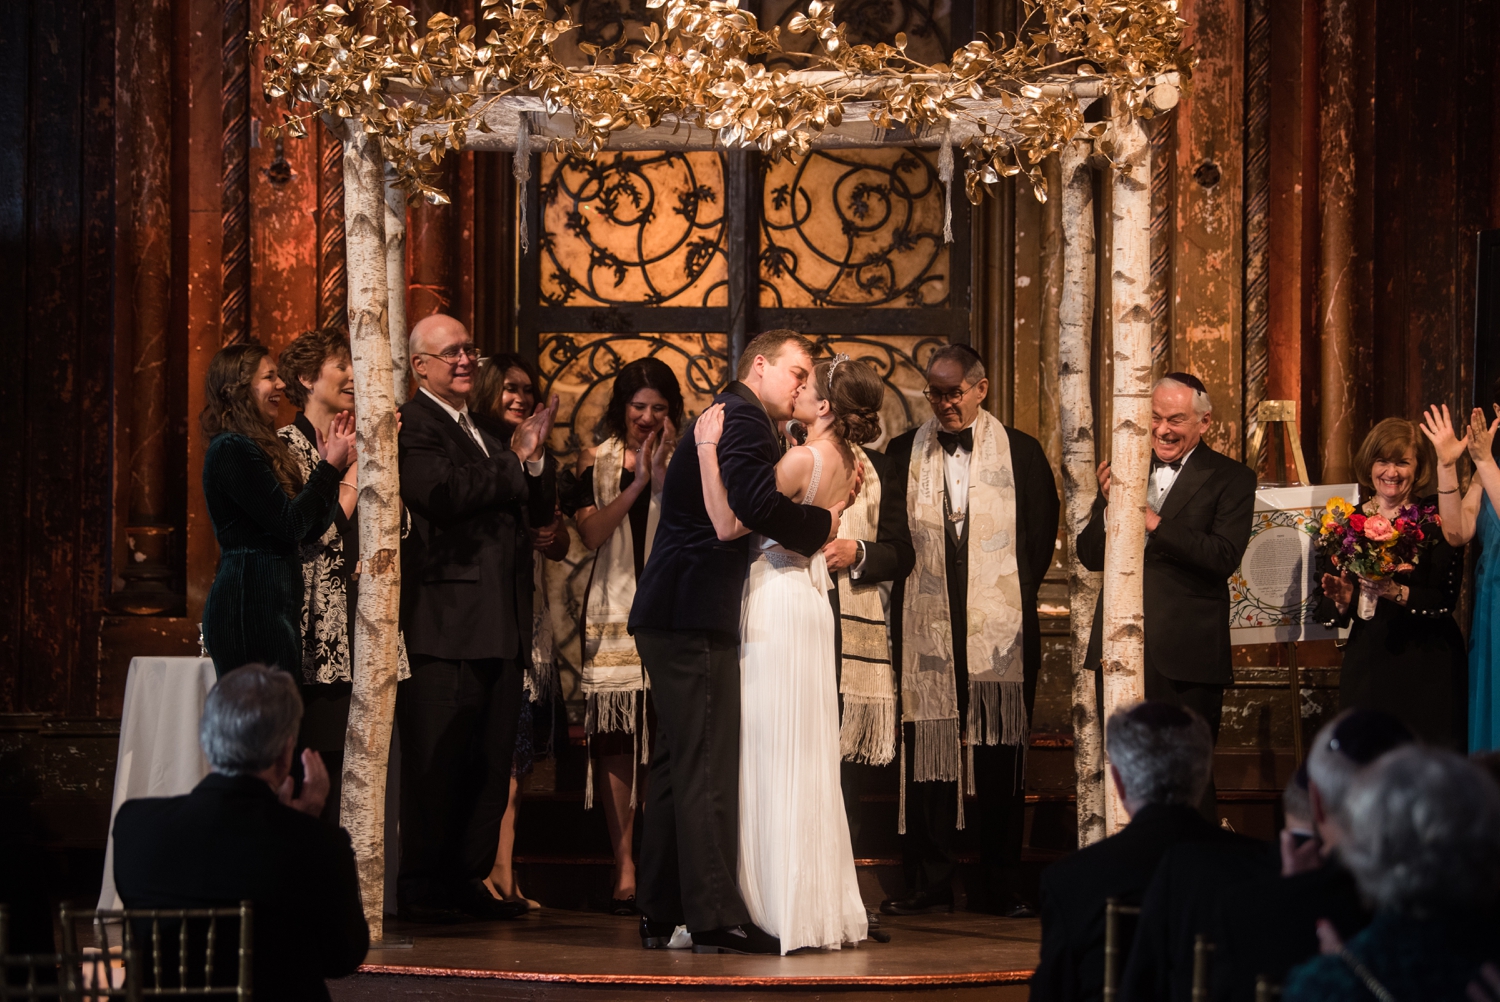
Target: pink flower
1378 529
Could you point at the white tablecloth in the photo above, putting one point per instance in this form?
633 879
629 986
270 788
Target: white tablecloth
159 753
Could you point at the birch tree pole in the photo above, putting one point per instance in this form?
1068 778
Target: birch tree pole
1124 639
367 744
1075 193
395 281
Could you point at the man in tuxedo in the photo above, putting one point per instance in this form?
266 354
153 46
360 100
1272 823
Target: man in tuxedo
956 389
466 593
1199 509
242 836
686 621
1160 755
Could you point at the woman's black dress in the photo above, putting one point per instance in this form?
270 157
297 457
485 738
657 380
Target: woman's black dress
1411 661
254 610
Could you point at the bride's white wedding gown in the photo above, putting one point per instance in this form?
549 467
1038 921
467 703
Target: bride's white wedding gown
796 864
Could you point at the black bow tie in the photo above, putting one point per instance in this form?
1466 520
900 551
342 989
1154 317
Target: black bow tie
1173 466
951 441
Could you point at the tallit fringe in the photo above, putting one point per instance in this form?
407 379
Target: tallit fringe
868 733
901 797
616 712
935 745
540 682
611 712
997 713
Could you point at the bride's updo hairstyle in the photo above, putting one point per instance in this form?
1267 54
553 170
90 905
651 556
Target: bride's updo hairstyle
855 394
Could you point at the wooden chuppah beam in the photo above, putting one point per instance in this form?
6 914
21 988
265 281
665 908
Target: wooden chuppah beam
367 744
1124 638
1076 427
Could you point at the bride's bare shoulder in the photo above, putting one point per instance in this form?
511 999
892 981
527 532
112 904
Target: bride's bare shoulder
794 471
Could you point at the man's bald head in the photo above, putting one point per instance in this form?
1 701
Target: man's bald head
429 328
443 357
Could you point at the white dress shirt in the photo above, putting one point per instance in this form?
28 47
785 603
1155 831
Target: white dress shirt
533 466
1159 485
956 479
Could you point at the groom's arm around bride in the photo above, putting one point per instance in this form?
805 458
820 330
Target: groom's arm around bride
686 621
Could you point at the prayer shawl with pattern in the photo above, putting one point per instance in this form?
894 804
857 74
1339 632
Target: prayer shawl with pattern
613 680
866 681
997 709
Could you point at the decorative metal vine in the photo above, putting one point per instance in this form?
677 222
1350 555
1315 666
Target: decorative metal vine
862 235
656 245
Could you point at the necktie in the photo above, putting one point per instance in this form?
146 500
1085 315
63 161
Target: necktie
952 441
463 422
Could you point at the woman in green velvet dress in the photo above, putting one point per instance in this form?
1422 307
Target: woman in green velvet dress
261 511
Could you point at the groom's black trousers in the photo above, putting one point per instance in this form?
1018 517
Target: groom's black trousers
689 869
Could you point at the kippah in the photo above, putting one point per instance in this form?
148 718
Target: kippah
1187 379
1365 735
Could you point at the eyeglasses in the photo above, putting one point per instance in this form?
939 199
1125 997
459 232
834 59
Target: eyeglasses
953 396
451 355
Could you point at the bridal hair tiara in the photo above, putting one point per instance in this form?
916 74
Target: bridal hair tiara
833 366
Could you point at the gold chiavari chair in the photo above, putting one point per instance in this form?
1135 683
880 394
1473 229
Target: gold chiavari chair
181 941
1203 952
1114 948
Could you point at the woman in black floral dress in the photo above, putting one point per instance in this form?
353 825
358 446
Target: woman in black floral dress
319 378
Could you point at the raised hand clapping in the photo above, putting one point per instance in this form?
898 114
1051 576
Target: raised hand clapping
337 447
1437 425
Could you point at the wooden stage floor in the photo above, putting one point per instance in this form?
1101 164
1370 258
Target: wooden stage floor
559 955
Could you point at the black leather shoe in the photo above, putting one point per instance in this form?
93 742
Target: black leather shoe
477 902
656 935
623 906
876 934
1016 909
745 938
920 903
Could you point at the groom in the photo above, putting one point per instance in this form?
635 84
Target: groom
686 621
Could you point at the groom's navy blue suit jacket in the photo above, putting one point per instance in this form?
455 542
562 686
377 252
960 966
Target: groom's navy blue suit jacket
692 580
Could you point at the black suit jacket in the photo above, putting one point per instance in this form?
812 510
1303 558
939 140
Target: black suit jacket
466 585
1179 906
1074 892
692 580
232 840
1205 526
892 557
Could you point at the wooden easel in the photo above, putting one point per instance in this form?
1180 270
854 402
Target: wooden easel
1284 414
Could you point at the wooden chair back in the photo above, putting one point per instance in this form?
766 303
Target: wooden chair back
1115 946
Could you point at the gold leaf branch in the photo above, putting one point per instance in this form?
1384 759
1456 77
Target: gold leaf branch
704 64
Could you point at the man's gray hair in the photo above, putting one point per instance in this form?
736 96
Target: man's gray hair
965 356
1344 747
1164 753
248 718
1201 403
1424 833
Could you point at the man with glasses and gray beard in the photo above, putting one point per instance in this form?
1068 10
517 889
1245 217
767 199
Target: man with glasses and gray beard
466 595
242 836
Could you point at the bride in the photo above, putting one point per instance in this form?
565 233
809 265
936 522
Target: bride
796 865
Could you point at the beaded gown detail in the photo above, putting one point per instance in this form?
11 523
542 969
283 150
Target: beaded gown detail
796 862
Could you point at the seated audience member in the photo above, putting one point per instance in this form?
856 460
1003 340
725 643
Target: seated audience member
1423 844
241 836
1265 929
1190 880
1159 758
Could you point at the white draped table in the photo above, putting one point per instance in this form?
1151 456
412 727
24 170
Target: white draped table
159 752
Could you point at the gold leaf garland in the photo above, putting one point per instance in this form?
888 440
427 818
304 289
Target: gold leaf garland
420 94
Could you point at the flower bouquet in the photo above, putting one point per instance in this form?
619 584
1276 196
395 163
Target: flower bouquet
1372 547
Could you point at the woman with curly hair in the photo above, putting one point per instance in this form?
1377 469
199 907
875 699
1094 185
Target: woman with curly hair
262 510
